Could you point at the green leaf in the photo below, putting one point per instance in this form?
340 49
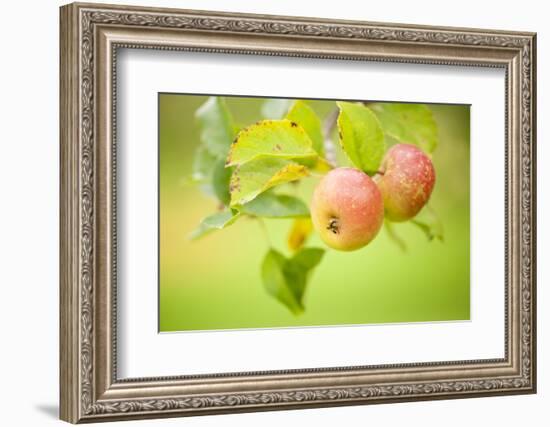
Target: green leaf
216 126
429 222
275 108
203 164
408 123
270 138
221 177
253 178
213 222
299 233
304 115
286 279
317 164
361 136
275 282
216 133
297 270
394 237
271 205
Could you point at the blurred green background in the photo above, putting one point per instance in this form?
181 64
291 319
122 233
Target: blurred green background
214 282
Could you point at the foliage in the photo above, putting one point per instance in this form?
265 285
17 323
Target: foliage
215 221
409 123
246 170
303 115
252 179
429 222
272 205
275 108
361 136
286 278
281 139
217 131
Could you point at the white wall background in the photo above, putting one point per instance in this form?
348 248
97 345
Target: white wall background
29 171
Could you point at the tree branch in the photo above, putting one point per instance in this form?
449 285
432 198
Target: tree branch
328 127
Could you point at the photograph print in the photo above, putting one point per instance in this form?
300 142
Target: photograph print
278 213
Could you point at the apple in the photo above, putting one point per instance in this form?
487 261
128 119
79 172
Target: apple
406 180
347 209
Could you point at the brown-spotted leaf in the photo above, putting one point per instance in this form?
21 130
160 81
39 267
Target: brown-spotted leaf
253 178
303 114
282 139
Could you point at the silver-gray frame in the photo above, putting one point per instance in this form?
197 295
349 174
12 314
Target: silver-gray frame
90 37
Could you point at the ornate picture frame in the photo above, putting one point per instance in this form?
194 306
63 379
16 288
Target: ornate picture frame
90 37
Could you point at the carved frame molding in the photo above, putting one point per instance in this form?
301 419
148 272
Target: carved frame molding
90 37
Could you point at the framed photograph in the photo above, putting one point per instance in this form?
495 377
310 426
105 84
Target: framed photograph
265 212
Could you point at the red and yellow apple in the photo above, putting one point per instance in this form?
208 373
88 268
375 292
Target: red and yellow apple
347 209
406 180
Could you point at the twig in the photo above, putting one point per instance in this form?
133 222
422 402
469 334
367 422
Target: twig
264 231
328 127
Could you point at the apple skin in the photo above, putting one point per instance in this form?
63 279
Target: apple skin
406 181
347 209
